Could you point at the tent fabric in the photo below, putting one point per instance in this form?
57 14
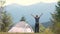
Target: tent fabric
22 27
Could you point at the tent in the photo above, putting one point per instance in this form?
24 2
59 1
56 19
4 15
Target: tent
21 27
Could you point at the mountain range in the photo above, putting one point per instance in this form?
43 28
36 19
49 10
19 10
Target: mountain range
17 11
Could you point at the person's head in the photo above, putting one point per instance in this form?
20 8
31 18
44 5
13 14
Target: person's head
36 15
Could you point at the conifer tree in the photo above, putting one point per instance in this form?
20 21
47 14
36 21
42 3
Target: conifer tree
56 19
7 21
23 19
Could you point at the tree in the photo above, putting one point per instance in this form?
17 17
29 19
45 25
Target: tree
2 2
23 19
6 20
56 19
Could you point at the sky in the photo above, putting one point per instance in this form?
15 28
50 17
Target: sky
28 2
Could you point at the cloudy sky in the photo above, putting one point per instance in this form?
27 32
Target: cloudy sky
28 2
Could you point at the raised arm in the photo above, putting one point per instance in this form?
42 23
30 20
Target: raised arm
40 15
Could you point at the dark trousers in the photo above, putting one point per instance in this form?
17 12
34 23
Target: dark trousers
37 27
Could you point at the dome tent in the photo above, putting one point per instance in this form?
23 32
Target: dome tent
21 27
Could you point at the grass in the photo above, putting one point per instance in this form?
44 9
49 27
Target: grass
47 31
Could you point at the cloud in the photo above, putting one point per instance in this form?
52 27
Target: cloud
28 2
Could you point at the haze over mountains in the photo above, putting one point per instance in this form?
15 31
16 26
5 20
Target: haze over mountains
17 11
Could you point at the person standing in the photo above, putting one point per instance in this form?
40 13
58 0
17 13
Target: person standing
37 22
